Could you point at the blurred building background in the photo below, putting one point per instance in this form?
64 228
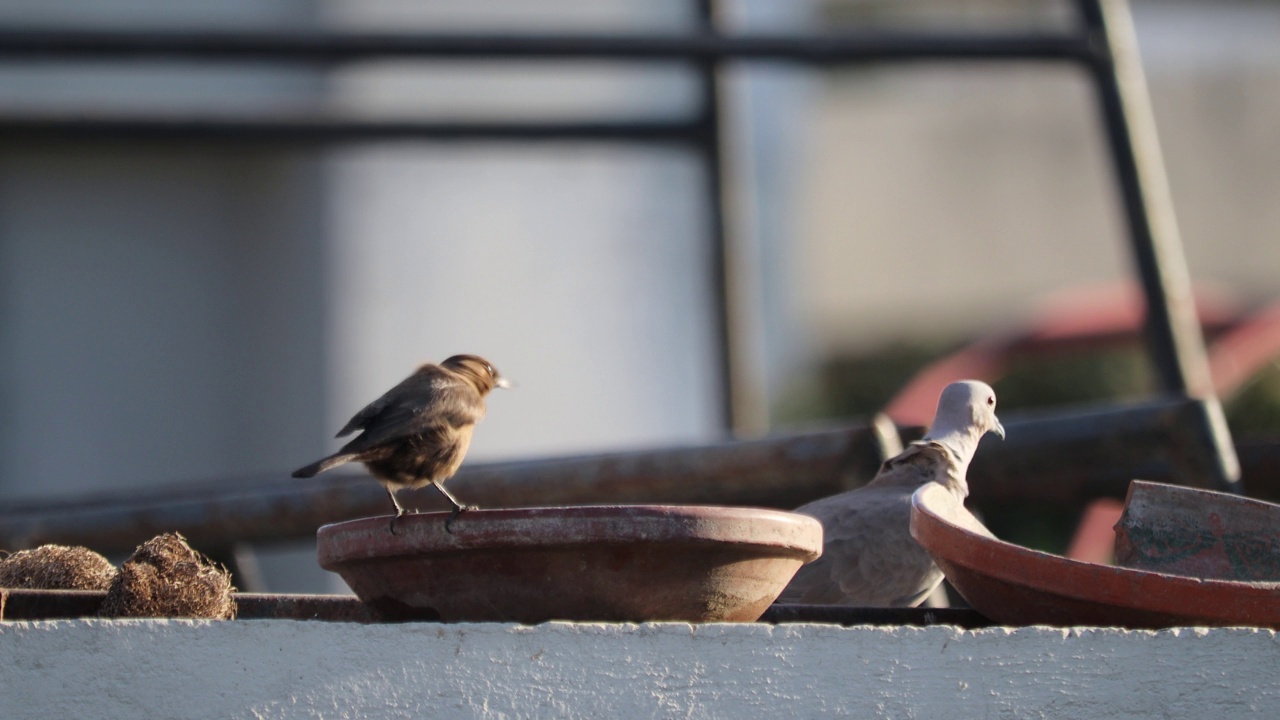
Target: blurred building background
173 313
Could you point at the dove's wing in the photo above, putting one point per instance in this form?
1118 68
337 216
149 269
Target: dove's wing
869 558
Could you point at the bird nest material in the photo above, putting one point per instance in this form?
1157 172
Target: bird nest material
56 567
166 578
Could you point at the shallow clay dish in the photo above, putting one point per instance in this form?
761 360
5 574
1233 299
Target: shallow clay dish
1014 585
1198 533
601 563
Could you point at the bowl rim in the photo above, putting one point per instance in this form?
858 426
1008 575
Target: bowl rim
1049 574
788 533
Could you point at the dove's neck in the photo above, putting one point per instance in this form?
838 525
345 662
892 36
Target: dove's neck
960 443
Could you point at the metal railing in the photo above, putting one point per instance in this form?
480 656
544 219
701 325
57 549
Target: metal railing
1101 43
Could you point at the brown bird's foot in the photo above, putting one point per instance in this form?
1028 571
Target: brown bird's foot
399 508
457 510
394 519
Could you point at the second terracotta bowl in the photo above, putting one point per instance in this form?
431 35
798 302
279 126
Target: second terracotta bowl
1019 586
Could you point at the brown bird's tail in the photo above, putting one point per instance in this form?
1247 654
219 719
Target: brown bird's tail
320 466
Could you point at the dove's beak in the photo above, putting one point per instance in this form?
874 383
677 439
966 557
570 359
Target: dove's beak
998 428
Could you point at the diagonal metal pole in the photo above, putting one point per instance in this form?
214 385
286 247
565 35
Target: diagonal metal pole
1173 328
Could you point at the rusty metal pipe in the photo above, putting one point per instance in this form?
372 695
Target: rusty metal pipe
1058 457
783 470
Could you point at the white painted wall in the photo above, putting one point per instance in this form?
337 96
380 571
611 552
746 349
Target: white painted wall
286 669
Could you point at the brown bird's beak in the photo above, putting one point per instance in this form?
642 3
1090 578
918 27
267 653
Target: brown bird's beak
503 383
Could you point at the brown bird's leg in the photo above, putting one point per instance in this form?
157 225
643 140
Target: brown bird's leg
399 508
458 507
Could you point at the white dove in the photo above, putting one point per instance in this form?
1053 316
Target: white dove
869 558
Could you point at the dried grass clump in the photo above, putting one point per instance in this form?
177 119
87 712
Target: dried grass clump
166 578
56 567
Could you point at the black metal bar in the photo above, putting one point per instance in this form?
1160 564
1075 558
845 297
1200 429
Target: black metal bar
303 129
849 616
29 604
23 604
20 604
1173 328
326 608
1260 462
306 46
711 154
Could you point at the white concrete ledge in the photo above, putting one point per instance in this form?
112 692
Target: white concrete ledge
90 669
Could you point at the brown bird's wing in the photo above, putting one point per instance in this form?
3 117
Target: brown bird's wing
425 400
418 384
370 411
869 558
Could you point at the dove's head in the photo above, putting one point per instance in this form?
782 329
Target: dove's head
966 408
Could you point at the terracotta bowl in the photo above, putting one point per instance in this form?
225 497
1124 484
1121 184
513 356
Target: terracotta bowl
603 563
1198 533
1014 585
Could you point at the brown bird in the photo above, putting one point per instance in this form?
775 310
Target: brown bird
418 432
869 558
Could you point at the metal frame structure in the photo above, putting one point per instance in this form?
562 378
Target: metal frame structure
1101 42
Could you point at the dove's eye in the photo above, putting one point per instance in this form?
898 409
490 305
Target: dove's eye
991 401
